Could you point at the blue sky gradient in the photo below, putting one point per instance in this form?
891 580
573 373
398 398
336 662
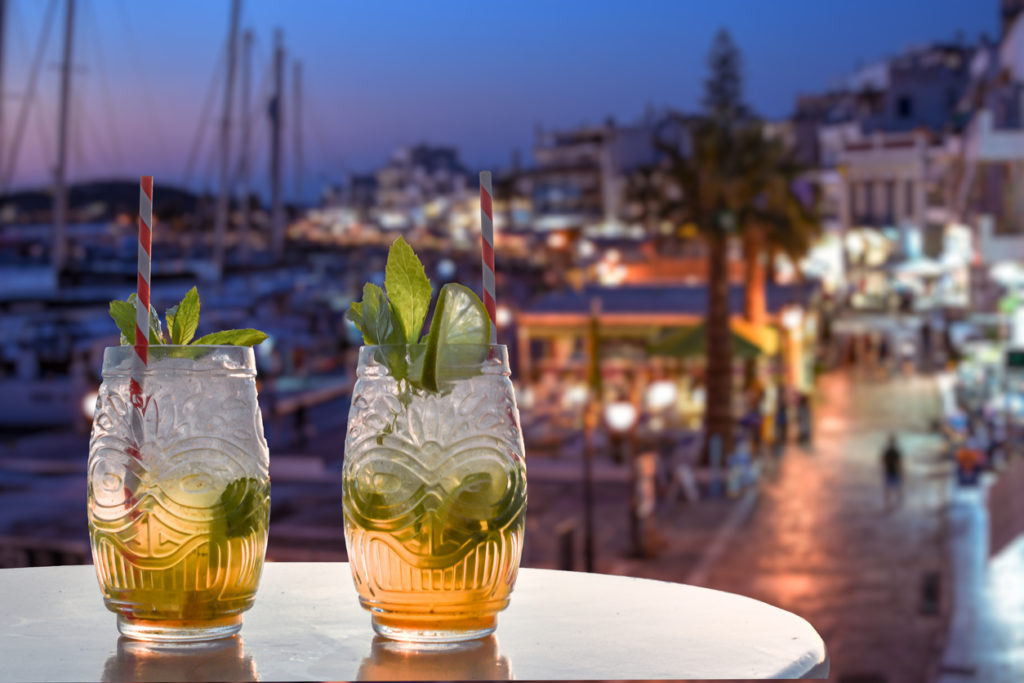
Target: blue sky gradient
477 75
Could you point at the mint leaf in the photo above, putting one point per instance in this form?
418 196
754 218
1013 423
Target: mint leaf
156 330
245 337
169 317
408 289
182 322
186 319
245 503
355 316
377 321
123 314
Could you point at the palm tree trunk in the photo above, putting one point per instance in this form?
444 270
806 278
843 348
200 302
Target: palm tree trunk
718 419
755 299
754 295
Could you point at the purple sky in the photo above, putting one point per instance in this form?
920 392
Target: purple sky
383 74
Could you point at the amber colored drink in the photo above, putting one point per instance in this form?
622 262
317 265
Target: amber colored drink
446 559
182 555
434 496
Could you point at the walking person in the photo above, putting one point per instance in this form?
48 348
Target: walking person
803 418
781 430
892 467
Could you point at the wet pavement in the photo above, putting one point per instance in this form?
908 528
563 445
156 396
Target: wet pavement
815 537
822 543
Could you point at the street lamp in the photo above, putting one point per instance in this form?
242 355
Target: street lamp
621 418
503 316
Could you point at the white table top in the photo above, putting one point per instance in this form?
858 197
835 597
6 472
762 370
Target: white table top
308 625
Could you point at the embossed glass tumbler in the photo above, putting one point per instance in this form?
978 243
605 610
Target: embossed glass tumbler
178 513
434 493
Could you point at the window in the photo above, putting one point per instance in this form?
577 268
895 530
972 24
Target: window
904 107
908 199
889 210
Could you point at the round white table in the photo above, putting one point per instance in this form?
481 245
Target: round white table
308 625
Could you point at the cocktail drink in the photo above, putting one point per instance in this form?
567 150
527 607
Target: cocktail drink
434 498
434 479
178 527
178 491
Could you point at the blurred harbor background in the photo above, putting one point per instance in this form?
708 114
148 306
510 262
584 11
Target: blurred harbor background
706 387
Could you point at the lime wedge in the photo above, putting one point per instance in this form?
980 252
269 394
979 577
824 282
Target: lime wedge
458 337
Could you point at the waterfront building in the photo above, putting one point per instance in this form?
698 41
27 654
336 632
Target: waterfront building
579 176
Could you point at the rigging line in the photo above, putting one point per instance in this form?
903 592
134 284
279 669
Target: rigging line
100 147
20 32
77 144
30 94
256 111
147 98
42 123
108 100
210 164
92 148
204 116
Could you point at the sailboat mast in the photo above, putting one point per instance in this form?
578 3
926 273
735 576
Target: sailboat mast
3 44
60 191
276 116
243 162
221 219
297 128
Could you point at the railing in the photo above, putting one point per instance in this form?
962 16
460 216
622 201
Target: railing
21 551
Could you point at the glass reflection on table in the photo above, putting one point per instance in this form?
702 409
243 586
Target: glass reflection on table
472 660
219 660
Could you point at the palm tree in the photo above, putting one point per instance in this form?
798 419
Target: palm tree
709 184
777 222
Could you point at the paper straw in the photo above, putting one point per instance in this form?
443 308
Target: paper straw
140 358
487 249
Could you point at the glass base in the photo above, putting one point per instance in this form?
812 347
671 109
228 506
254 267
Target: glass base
179 631
433 631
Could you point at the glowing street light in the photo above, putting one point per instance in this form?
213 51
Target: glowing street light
792 317
620 416
661 395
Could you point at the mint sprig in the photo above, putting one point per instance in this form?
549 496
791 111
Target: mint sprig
244 504
243 337
394 320
374 317
185 322
123 313
182 323
408 288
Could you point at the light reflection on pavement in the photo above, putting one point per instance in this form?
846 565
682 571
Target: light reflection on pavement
822 544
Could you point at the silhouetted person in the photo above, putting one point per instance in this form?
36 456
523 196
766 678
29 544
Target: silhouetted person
803 417
892 467
781 422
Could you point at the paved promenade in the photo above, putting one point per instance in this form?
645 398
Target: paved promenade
822 543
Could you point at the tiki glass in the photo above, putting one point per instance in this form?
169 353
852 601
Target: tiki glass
178 514
434 495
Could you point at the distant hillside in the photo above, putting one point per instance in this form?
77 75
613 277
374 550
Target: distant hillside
96 200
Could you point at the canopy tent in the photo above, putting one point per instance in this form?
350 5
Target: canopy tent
920 267
748 341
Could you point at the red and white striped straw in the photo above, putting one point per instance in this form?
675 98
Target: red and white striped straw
141 357
487 249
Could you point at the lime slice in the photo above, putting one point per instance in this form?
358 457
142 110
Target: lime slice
459 334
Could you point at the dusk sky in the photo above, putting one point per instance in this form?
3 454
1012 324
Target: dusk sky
476 75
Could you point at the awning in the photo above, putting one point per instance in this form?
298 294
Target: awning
748 341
